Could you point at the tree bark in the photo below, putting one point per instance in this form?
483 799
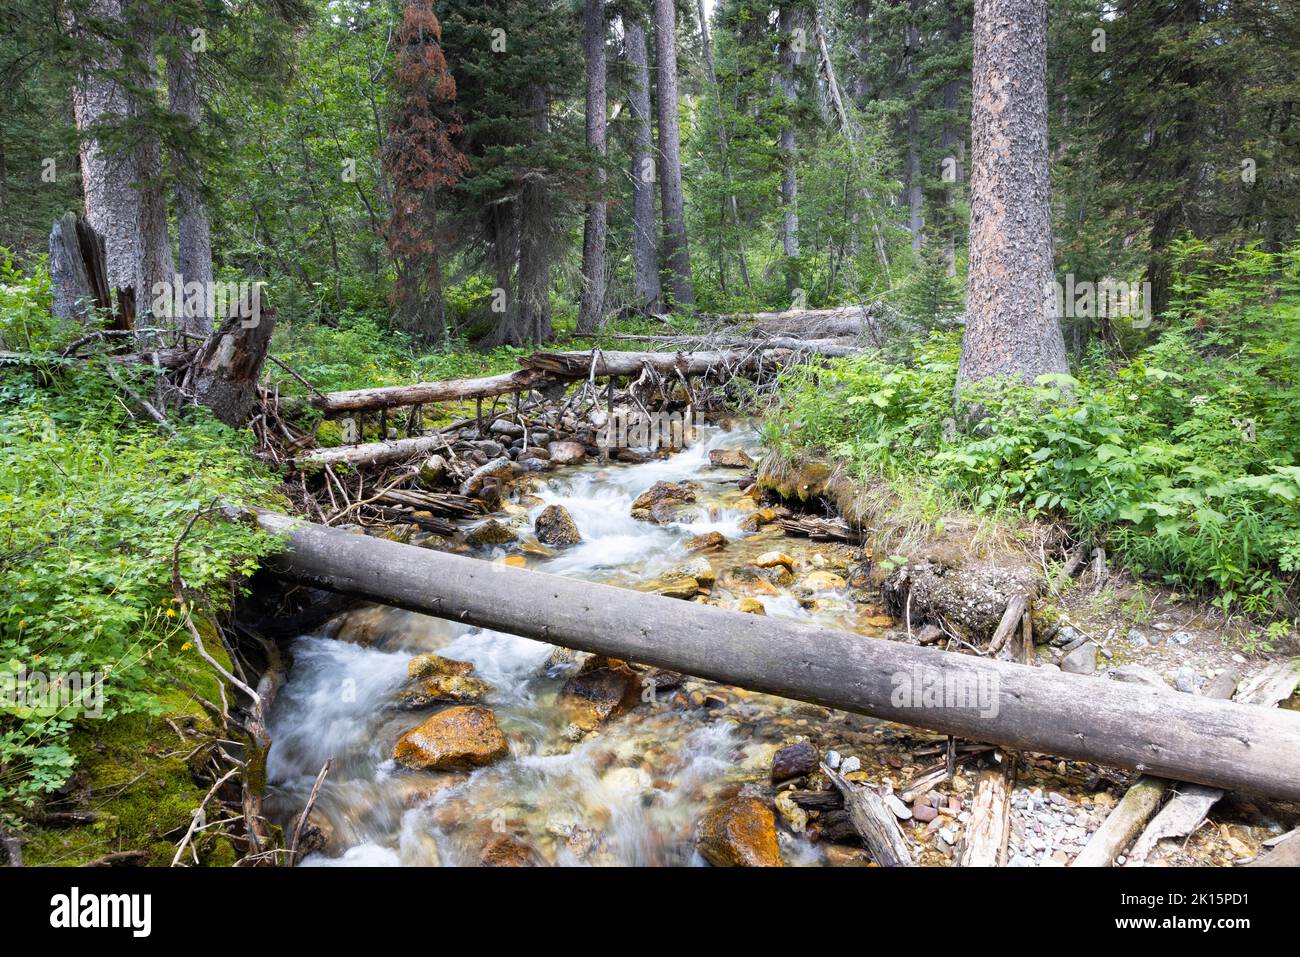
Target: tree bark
77 270
536 236
227 367
915 198
787 21
101 102
645 261
954 145
591 307
672 203
1012 328
1218 743
193 227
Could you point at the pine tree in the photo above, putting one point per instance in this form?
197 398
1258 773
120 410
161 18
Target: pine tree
421 161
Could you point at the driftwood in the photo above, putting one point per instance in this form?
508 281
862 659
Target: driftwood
1218 743
819 529
420 393
985 841
874 822
372 453
1139 802
1285 854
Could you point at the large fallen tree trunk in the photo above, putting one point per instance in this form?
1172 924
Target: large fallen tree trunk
450 390
834 348
548 368
1219 743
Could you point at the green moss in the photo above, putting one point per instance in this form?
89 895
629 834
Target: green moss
134 772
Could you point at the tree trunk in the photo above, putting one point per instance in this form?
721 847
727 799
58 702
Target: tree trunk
1218 743
228 365
1012 328
954 146
787 22
156 266
673 205
591 308
100 101
645 262
915 198
77 270
193 227
536 238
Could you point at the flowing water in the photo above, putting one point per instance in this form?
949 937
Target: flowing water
629 793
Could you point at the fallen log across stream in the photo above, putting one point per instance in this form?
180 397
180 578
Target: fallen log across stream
550 368
1218 743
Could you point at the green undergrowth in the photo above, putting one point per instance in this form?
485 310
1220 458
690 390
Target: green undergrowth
94 500
1181 459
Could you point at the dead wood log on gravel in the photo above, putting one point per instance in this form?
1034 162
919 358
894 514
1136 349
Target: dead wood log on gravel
874 822
1218 743
1138 803
1191 803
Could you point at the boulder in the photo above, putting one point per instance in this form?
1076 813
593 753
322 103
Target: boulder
491 532
707 543
821 581
697 568
555 526
495 472
460 689
505 427
428 666
602 687
567 453
663 502
793 761
457 739
730 459
773 559
507 851
1082 660
740 832
433 470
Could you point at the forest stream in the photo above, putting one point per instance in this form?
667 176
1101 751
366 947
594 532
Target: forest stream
629 792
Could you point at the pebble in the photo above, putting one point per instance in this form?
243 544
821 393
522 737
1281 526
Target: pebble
1186 680
924 813
832 759
1179 638
1057 798
851 764
1137 639
947 836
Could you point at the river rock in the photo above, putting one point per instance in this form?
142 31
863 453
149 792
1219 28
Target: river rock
555 526
773 559
751 606
707 543
433 470
730 459
663 502
567 453
758 518
838 855
697 568
427 666
505 427
602 687
495 472
505 850
1082 660
793 761
684 587
491 532
740 833
795 817
457 739
821 581
460 689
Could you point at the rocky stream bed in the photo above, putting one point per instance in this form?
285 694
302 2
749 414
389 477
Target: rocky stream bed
459 746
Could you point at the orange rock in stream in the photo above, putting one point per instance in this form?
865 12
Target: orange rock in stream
740 833
453 740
